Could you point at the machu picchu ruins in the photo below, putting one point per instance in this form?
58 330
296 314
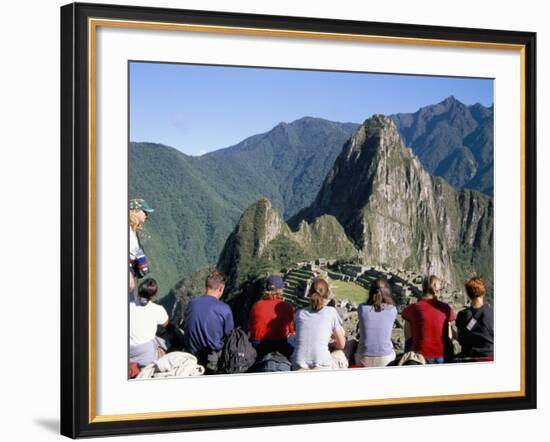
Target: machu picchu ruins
406 289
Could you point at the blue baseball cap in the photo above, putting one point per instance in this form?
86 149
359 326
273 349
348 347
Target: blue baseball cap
274 282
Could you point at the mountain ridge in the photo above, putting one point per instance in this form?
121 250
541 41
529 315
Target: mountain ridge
199 200
453 140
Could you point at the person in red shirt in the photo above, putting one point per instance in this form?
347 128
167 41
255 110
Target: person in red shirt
428 323
271 320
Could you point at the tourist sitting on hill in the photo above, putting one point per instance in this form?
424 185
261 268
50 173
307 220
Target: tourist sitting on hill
315 326
145 317
428 323
208 321
475 324
376 318
271 320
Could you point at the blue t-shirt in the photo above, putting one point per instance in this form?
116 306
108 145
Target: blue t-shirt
376 330
207 322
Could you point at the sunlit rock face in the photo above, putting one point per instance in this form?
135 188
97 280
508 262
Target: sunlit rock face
396 213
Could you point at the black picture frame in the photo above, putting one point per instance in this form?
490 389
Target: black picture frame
76 404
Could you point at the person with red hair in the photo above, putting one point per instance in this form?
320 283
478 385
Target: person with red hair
475 324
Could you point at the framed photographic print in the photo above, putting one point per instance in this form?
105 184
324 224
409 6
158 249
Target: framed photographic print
273 220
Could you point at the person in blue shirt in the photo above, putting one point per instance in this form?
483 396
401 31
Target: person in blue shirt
376 318
208 321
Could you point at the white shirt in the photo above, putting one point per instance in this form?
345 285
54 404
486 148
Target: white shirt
134 243
314 331
144 320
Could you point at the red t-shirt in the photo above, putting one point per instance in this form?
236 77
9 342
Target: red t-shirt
271 320
429 319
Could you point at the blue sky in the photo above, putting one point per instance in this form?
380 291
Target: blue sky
197 109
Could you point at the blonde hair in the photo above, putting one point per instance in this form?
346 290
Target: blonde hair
135 223
431 285
319 293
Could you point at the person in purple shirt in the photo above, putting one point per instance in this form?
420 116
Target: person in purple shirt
376 318
208 321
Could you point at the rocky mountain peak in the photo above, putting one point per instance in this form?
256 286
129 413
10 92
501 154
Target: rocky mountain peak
374 159
379 123
450 100
259 224
370 133
392 209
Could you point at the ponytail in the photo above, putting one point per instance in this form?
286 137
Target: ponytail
319 293
380 293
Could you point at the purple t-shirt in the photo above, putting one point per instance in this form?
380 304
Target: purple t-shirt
207 322
376 330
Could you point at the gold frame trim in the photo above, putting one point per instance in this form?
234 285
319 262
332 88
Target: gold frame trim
93 24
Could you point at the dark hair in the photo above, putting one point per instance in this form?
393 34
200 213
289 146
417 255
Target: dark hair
379 293
319 293
147 289
273 294
214 280
475 288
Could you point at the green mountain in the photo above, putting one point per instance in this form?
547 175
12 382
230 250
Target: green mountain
453 141
289 162
377 206
199 200
262 243
192 215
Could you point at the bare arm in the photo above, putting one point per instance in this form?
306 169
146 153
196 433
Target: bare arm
131 283
408 332
453 334
339 337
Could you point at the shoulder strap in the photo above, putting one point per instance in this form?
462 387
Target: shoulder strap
476 315
475 321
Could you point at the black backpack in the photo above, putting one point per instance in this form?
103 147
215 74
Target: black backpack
238 354
274 361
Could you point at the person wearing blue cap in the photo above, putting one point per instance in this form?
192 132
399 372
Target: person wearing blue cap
271 320
139 265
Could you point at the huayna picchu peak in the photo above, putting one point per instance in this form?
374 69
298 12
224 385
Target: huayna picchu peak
396 213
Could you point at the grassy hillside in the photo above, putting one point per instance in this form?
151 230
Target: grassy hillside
198 200
192 217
